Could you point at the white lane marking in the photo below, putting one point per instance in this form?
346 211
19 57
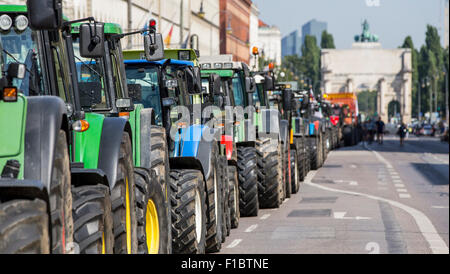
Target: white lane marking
404 196
402 190
251 228
440 207
353 166
341 216
399 185
286 200
235 243
426 227
353 183
395 177
397 181
265 216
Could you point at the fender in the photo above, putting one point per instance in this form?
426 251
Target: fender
141 121
12 189
192 144
284 131
109 153
44 120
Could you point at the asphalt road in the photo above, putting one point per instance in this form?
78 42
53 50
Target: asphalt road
373 198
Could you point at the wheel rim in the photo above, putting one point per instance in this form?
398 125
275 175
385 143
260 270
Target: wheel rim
128 215
152 228
103 244
198 216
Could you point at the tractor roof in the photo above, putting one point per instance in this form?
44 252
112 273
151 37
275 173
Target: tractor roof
161 62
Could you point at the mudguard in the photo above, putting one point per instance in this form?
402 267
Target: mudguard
147 119
12 189
45 116
191 144
109 153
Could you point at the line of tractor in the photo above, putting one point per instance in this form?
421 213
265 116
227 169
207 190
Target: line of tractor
152 151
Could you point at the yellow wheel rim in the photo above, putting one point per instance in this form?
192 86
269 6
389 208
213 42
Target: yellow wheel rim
152 228
128 215
103 244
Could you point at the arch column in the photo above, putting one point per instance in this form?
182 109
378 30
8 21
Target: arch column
382 104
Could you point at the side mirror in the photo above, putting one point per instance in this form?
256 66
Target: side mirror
154 47
250 84
90 94
16 71
92 40
268 83
287 100
45 14
190 81
197 80
215 84
135 92
123 103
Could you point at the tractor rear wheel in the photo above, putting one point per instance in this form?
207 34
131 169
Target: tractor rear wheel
160 164
24 227
226 223
315 153
61 198
270 173
234 196
287 168
214 209
93 223
188 212
123 197
152 216
248 182
296 169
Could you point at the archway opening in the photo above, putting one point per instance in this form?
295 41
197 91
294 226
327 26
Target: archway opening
367 103
394 112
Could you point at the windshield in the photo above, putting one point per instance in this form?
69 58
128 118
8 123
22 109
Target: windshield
91 81
147 79
21 47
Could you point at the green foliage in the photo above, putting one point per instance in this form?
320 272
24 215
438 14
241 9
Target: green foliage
367 102
327 41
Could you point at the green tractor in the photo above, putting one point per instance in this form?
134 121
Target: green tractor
148 140
102 201
35 181
172 87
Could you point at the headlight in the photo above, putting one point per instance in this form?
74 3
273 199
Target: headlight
5 22
21 22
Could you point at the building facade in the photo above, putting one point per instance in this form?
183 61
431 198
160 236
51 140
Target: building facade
178 19
235 29
314 28
291 44
254 34
270 41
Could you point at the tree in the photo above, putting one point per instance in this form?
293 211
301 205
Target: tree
311 60
327 41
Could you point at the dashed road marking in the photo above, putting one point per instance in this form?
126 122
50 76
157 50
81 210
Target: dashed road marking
399 185
404 196
440 207
265 216
235 243
402 190
251 228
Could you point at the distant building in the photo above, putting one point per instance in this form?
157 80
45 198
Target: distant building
235 29
291 44
270 41
314 28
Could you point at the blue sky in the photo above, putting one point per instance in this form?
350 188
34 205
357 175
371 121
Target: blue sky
392 20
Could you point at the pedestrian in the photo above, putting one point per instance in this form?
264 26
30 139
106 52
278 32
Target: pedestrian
402 133
380 131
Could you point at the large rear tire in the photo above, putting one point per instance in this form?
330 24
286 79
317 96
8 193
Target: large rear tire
93 222
215 204
248 182
160 164
270 173
123 197
24 227
152 216
296 170
61 198
233 182
188 212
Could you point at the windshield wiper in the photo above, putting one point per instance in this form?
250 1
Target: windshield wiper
91 69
